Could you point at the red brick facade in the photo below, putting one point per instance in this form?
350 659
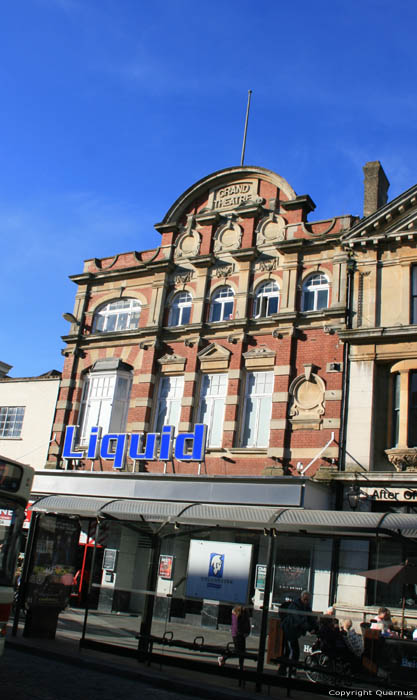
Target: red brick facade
237 228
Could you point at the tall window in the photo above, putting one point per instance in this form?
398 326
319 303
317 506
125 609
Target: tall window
395 409
257 409
413 294
11 421
120 315
266 300
212 402
412 410
180 311
168 409
105 402
222 302
315 294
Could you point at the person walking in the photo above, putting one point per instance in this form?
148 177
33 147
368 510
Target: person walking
240 630
296 622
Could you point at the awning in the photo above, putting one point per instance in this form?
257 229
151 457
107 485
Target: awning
247 517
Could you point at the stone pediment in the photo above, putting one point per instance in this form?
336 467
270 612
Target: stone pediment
214 356
172 364
395 220
259 358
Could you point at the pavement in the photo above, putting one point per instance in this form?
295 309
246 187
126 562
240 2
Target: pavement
212 682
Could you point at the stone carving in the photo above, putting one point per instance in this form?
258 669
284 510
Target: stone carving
307 400
171 359
270 230
222 269
227 237
182 276
266 264
403 459
188 242
233 195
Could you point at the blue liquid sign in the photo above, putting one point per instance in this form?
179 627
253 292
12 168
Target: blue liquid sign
186 447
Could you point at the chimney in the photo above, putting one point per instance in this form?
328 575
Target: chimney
376 187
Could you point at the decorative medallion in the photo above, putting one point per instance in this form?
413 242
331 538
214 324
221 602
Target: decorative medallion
227 237
307 400
188 242
271 230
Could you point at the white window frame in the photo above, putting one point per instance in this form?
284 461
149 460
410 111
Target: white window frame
11 422
117 315
222 296
101 404
171 399
263 296
314 284
256 394
213 391
181 304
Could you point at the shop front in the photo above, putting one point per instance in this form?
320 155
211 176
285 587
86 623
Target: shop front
166 558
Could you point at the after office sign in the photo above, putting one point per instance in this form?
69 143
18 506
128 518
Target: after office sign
186 447
219 571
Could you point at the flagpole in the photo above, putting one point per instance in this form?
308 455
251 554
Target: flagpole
246 128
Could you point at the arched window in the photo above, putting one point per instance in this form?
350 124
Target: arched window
315 293
222 302
120 315
180 311
266 300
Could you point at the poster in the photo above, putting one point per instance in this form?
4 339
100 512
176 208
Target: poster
260 577
290 582
166 566
53 565
219 571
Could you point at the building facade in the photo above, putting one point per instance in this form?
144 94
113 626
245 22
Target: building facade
27 410
244 320
233 322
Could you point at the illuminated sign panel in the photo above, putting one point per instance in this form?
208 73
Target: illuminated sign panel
186 447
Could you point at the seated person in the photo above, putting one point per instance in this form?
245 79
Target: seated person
382 621
331 639
354 641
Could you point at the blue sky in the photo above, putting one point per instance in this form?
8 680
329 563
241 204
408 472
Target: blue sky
112 108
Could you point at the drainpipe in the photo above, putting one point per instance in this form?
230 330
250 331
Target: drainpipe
346 368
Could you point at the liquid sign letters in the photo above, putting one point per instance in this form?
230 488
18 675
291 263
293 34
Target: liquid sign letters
186 447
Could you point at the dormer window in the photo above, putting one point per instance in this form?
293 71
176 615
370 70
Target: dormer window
120 315
315 293
222 303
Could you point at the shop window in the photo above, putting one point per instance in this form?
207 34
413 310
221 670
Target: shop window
266 300
120 315
168 410
11 421
315 293
413 295
257 409
212 403
222 303
180 311
105 402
